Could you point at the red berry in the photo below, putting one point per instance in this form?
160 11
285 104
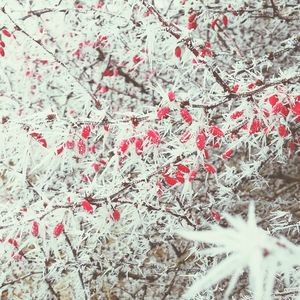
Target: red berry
179 176
178 52
273 100
139 146
58 229
102 162
35 229
192 25
132 139
216 131
214 23
186 116
183 168
6 32
153 136
214 143
235 88
255 126
282 131
86 131
115 215
136 59
108 73
201 140
280 108
209 168
59 150
171 95
36 135
205 154
81 147
2 44
296 111
225 20
169 180
87 206
215 215
227 153
192 18
251 86
70 144
192 175
2 52
236 115
96 167
292 148
163 112
13 242
43 142
124 146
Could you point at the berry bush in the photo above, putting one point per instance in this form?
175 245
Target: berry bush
149 149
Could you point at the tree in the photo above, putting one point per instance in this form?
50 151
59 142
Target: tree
125 125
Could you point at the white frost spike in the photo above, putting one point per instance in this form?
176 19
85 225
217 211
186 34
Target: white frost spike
247 247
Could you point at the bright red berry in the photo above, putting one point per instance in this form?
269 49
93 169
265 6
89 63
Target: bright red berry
179 176
227 153
81 147
136 59
139 146
123 146
59 150
186 116
236 115
282 131
192 175
35 228
87 206
215 215
255 126
58 229
6 32
214 23
296 111
169 180
96 167
201 140
209 168
183 168
216 131
153 136
171 95
178 52
86 131
13 242
115 215
163 112
192 25
192 18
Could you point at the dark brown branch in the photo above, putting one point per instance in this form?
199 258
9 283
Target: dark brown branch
40 12
19 279
74 253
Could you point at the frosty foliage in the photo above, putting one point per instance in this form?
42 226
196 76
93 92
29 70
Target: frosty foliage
124 120
246 246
